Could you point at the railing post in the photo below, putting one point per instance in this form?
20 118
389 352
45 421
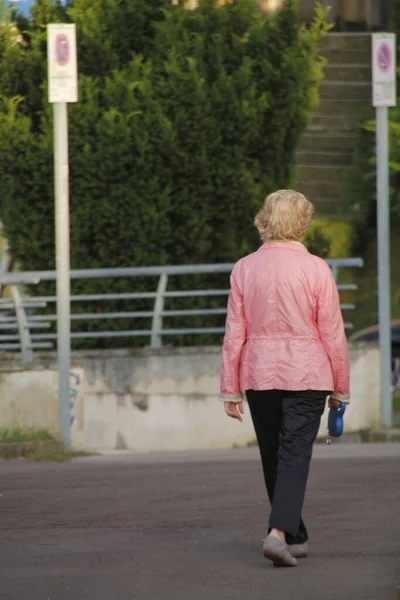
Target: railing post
24 335
335 273
156 328
5 258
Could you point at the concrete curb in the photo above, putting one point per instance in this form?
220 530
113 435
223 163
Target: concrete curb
381 435
368 436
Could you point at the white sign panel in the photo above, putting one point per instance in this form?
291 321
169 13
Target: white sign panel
384 69
62 63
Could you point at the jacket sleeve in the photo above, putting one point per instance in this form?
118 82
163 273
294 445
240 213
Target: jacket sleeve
235 337
331 331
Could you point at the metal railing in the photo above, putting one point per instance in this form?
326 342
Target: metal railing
22 322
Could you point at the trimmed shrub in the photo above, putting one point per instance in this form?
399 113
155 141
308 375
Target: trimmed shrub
186 120
329 239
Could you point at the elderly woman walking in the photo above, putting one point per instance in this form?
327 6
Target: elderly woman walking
285 347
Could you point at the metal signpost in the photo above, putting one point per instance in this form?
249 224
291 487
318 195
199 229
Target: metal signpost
384 96
63 88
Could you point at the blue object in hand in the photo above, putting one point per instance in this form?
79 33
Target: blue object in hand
335 420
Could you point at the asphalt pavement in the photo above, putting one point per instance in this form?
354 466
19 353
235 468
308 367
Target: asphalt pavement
188 526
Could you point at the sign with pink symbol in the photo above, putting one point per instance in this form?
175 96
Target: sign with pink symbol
384 57
383 69
62 63
62 49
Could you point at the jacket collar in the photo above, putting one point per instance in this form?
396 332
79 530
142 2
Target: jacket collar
291 245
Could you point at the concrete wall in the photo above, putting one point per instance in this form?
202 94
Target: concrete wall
29 397
164 399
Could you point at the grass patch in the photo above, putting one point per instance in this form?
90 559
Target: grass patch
55 452
12 436
35 444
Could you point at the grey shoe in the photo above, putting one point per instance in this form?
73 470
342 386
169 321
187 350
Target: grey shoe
298 550
278 552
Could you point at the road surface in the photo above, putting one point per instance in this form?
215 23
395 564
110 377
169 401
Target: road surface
188 526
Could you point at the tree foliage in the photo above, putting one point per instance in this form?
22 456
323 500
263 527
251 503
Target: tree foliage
360 202
185 121
359 192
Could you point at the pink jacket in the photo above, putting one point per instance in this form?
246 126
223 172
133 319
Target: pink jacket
284 327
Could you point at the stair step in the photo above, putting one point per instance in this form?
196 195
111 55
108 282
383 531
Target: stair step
351 72
321 173
340 106
346 90
346 41
326 148
319 189
326 142
361 56
329 207
332 122
324 207
324 158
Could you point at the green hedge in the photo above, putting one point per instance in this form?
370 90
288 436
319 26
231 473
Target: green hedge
186 120
359 202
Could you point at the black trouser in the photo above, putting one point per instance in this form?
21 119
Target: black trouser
286 425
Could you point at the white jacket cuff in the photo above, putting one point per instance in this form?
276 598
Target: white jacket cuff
341 397
231 397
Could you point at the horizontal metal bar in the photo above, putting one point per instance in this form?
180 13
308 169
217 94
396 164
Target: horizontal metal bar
41 345
145 333
31 320
95 297
4 347
347 287
345 262
37 346
193 331
42 301
9 338
28 278
146 314
26 303
132 296
9 347
95 316
213 330
194 293
133 315
14 325
95 334
35 276
193 312
117 334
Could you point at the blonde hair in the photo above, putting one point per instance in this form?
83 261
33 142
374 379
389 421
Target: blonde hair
286 216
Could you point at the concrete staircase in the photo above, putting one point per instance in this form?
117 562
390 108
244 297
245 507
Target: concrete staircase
326 148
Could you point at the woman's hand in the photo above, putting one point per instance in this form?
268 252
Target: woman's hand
234 410
333 403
